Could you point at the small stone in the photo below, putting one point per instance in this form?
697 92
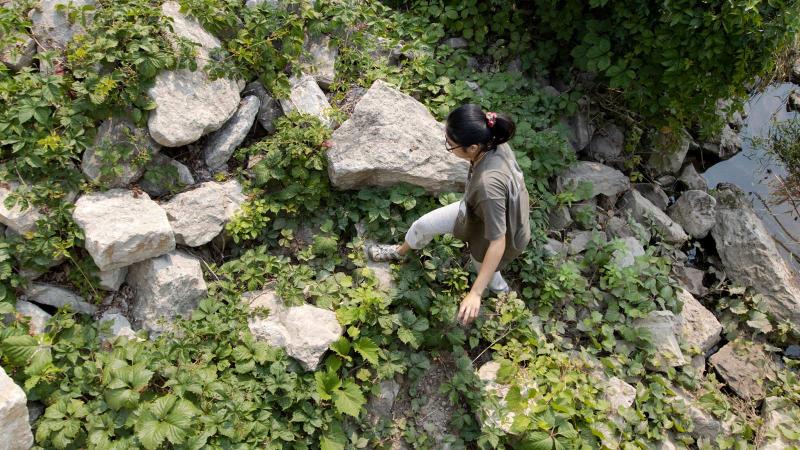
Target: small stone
18 220
456 42
699 327
792 351
307 97
668 152
559 218
607 145
663 326
604 180
270 109
50 25
744 366
654 193
197 216
695 211
554 248
626 257
15 427
793 102
119 326
114 159
779 414
579 240
46 294
35 410
380 405
646 213
692 180
691 279
706 425
164 175
111 280
221 144
322 60
618 393
19 53
37 316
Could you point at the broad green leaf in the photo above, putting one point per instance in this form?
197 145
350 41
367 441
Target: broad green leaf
367 348
349 399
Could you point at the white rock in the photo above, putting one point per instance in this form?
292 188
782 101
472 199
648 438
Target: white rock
122 146
119 326
221 144
746 367
305 332
197 216
52 28
627 256
46 294
706 425
618 393
663 326
646 213
695 211
38 317
166 286
579 240
778 413
234 197
15 429
604 180
307 98
164 175
122 228
322 60
111 280
18 220
750 256
189 104
497 416
389 139
699 327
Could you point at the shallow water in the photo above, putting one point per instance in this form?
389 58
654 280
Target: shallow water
757 174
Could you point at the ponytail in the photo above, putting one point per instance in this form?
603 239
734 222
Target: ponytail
468 125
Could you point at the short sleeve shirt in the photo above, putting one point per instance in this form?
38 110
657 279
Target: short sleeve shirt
495 204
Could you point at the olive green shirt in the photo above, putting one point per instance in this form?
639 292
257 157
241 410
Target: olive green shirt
495 203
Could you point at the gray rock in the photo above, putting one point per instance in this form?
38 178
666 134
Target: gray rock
307 98
666 181
321 60
118 326
115 158
221 144
111 280
52 28
778 414
668 152
706 425
663 325
793 102
579 127
555 248
607 145
391 138
605 180
305 332
654 193
199 215
578 240
35 410
165 287
727 144
380 405
381 270
699 327
692 180
189 104
584 213
46 294
498 415
618 228
122 228
750 257
37 316
270 109
745 367
164 175
20 53
14 426
691 279
626 257
256 3
618 393
456 42
559 218
17 220
647 213
695 211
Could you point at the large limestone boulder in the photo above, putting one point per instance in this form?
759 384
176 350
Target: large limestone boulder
605 180
16 218
699 327
669 151
221 144
269 110
305 332
307 97
695 211
52 27
188 104
199 215
163 175
19 53
649 214
724 146
46 294
166 286
122 227
750 256
780 416
118 155
14 427
663 326
745 367
389 139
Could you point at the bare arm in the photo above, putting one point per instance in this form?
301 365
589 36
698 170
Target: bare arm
471 304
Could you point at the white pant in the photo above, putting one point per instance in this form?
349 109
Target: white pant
442 221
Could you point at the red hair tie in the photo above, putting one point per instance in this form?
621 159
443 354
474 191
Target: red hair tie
490 119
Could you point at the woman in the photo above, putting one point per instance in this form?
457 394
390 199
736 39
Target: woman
493 216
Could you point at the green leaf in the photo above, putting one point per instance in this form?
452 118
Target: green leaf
19 349
349 399
327 382
367 348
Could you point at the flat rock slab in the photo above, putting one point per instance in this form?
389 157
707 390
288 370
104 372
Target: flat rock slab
699 327
654 193
307 97
604 180
114 158
692 180
189 104
51 27
706 424
390 139
199 215
750 257
663 325
14 426
166 287
695 211
648 214
16 218
305 332
46 294
744 366
122 228
222 143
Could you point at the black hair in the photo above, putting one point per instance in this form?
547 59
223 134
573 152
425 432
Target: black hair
468 125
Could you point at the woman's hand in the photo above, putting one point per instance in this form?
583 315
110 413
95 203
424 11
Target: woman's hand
469 308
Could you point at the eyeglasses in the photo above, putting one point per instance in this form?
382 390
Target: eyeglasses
450 149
